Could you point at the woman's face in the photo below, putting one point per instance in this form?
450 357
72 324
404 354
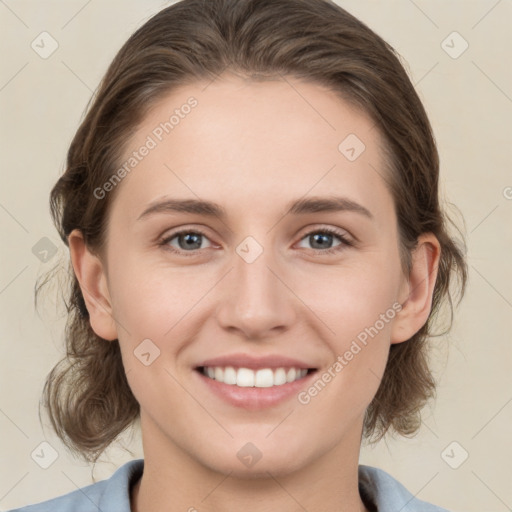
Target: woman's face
284 161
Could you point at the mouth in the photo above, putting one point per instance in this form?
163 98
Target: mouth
254 389
254 381
254 378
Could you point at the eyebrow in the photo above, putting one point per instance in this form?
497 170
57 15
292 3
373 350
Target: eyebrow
297 207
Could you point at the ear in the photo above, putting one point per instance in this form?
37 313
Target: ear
417 289
89 271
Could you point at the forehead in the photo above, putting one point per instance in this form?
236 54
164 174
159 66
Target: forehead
235 140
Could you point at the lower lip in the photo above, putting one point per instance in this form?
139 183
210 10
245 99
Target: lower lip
252 398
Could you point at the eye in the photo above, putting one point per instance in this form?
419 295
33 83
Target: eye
321 240
188 241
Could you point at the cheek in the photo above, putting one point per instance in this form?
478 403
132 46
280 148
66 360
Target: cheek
359 308
361 318
151 299
351 298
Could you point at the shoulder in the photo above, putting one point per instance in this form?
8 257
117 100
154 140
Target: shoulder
387 493
110 495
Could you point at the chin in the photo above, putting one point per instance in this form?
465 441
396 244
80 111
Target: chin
254 459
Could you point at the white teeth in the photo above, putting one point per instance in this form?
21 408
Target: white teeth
280 377
247 378
219 374
244 378
290 376
230 375
264 378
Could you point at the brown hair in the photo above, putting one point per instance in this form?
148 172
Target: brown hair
87 394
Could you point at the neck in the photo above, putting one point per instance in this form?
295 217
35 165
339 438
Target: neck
173 480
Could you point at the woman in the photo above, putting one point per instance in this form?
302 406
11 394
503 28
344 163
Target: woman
258 254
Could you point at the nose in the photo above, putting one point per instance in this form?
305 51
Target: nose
257 302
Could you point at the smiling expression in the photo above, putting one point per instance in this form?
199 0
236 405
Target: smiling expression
247 238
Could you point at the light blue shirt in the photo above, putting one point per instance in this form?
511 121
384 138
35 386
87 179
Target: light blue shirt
379 491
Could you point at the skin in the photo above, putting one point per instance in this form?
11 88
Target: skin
253 147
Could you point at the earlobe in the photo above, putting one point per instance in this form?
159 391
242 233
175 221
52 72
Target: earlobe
91 276
419 289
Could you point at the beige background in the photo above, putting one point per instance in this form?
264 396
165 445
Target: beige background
469 101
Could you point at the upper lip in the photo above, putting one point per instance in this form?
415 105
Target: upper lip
254 362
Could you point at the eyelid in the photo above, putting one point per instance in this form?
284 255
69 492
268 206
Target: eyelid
346 242
326 228
164 239
346 239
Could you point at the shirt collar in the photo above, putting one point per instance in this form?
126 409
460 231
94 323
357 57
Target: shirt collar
379 491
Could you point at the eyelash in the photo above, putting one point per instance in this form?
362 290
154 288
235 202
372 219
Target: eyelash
345 242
